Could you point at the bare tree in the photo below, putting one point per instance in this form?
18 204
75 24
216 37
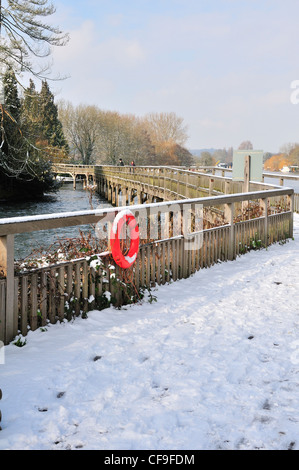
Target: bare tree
166 127
99 136
81 128
246 145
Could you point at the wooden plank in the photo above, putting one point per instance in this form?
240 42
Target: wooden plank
33 302
163 263
77 289
7 269
16 307
148 267
60 292
142 278
173 260
216 245
69 280
2 309
43 297
168 266
85 285
24 306
137 271
158 263
92 287
153 264
179 259
208 248
52 295
99 282
196 251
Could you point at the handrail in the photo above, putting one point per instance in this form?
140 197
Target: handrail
33 223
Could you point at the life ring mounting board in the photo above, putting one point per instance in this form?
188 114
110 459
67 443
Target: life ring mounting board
124 217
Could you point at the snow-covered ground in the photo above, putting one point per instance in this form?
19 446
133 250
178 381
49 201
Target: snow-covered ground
213 363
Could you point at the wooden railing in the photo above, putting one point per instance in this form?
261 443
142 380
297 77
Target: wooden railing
282 177
65 168
32 299
174 183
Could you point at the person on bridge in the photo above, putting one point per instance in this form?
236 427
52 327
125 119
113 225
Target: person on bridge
132 166
121 162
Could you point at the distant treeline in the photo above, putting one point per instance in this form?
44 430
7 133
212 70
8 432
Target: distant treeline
103 137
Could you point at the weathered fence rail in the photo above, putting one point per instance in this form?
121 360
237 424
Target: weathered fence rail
163 183
29 300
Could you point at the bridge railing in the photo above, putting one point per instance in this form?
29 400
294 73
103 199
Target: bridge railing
181 181
31 299
176 182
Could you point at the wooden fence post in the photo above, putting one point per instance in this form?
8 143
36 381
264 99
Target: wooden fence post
291 201
265 210
229 215
7 267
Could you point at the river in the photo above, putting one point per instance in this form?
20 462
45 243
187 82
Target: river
65 200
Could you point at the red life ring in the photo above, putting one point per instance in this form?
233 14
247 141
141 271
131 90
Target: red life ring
124 260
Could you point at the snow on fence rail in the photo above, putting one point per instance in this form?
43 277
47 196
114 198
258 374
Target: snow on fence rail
29 300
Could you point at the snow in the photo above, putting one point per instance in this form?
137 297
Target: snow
209 362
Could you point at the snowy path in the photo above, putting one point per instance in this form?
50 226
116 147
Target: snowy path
213 364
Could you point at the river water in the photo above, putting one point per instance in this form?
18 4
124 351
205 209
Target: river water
66 200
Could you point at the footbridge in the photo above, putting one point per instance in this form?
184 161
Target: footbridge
85 171
145 184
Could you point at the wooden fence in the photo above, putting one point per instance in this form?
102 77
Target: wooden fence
33 299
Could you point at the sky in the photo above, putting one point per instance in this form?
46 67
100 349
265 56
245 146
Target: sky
225 66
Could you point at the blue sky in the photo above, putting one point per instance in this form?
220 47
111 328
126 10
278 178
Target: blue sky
225 66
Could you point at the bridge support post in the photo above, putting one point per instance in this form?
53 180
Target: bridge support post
139 197
7 268
124 196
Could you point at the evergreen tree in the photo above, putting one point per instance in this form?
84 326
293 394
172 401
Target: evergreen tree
13 159
51 126
44 129
27 35
24 172
30 113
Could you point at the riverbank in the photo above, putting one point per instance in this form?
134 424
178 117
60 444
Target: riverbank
210 362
